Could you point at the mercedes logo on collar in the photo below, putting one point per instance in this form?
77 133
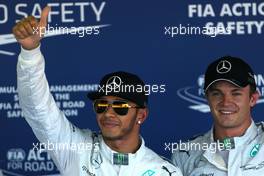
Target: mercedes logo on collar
223 67
114 82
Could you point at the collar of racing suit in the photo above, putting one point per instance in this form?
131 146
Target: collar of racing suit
108 153
216 159
240 140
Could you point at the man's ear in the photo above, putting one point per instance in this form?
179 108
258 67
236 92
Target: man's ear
254 98
142 115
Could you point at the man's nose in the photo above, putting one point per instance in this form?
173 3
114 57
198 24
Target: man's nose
109 112
226 99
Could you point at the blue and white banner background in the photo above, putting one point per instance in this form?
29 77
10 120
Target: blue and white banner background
158 40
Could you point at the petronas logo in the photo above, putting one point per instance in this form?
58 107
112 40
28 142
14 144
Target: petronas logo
255 150
148 173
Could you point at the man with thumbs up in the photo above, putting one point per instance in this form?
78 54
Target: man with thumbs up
29 32
118 150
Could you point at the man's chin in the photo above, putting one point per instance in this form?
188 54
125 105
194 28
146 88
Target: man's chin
228 121
111 137
229 124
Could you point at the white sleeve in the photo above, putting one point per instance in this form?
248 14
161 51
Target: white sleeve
49 124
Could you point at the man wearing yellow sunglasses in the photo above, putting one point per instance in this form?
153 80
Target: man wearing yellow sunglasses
118 149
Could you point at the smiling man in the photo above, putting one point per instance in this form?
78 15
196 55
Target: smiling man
235 142
118 150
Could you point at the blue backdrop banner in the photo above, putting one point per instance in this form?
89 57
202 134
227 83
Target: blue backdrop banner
167 43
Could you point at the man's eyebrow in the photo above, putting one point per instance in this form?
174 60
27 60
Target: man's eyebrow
233 90
236 89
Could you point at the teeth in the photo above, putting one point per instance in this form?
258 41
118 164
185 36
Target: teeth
226 112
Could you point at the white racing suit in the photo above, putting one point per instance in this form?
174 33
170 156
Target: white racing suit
245 159
52 127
